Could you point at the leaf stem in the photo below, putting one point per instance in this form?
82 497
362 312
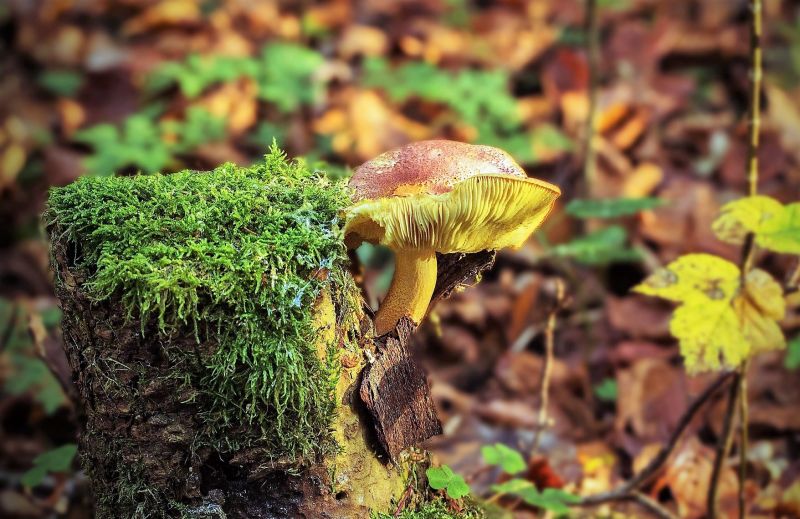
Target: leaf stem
755 95
748 254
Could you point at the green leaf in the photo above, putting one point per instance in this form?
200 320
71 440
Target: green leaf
56 460
481 99
792 359
599 247
776 226
32 374
553 499
607 390
507 458
549 137
444 478
512 486
64 83
611 207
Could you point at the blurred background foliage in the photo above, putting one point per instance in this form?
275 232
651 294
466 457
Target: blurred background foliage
138 86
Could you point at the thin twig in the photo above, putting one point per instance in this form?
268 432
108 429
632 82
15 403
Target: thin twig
652 506
743 438
543 420
723 447
592 49
755 96
644 476
748 254
403 502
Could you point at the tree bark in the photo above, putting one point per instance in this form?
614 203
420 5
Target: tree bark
140 420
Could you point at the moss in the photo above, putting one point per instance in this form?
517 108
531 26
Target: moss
234 257
435 509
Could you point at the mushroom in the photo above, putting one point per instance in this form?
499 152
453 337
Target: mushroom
440 196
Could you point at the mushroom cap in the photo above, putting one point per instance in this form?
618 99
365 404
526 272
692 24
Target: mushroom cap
433 166
446 196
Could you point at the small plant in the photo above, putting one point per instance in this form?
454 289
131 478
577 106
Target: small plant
727 314
480 99
53 461
511 462
284 73
443 478
145 143
600 247
792 360
611 207
607 245
27 373
607 390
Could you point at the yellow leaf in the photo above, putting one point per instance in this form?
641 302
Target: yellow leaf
758 307
718 324
693 278
765 294
710 336
776 226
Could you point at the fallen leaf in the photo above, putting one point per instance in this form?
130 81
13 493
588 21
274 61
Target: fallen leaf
687 476
164 13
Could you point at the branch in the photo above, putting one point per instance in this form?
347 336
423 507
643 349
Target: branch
627 489
723 446
544 386
652 506
743 437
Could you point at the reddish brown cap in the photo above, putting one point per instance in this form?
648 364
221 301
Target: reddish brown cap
433 166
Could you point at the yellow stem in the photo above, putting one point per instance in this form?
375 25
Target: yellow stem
411 290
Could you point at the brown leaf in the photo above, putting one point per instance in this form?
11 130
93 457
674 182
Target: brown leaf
652 397
687 476
367 126
641 317
164 13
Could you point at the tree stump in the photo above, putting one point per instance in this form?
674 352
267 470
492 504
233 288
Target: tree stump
216 341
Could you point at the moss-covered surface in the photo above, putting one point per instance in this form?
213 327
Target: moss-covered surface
206 318
435 509
231 253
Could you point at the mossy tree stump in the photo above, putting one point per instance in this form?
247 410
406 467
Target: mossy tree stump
217 341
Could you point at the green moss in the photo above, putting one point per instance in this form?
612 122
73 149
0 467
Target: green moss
436 509
228 256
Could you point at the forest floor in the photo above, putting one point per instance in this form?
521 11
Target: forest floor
88 88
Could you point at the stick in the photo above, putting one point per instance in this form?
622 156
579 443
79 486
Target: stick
544 387
644 476
723 446
652 506
743 438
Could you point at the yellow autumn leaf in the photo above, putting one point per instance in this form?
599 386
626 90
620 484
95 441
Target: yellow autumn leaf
765 294
758 307
710 336
776 226
718 324
692 276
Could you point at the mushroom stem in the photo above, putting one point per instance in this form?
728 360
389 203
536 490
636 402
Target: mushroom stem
411 290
